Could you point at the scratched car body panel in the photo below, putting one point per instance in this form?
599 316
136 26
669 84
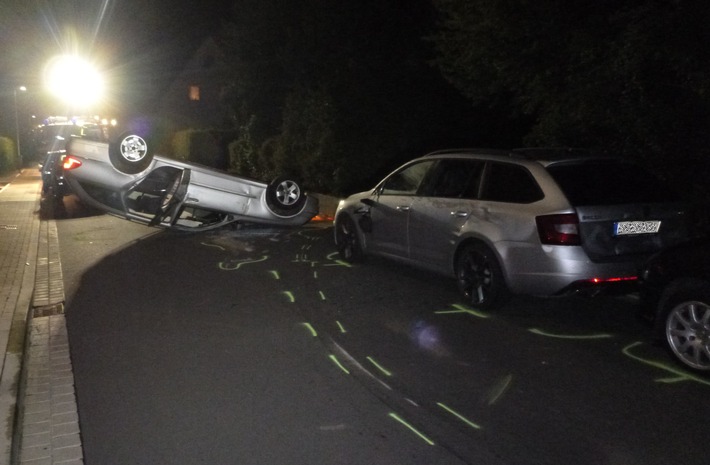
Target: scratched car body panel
129 181
528 222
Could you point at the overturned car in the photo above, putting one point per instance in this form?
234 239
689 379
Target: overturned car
122 176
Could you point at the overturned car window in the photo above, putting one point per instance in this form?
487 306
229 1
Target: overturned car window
147 196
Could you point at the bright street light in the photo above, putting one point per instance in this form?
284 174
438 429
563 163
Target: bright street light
17 122
74 80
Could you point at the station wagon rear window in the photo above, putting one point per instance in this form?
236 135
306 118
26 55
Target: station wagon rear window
609 182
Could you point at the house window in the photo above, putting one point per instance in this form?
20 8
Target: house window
194 93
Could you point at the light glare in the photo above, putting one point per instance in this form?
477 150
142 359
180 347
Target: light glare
74 80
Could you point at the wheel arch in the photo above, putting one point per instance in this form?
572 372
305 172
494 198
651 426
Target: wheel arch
470 240
339 215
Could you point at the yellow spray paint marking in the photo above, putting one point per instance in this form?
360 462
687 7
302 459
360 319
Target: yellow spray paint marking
341 327
569 336
379 367
411 428
310 328
322 296
315 275
679 374
275 274
337 362
459 416
212 245
338 262
500 389
289 294
458 308
227 266
304 259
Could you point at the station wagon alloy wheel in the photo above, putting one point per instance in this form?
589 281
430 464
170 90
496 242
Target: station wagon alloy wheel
479 277
687 331
348 243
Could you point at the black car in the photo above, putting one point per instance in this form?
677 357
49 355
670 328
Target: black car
53 137
675 293
53 182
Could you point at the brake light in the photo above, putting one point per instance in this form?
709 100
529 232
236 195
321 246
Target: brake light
612 280
558 229
70 163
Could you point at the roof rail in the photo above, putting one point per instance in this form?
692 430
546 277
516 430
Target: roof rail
481 151
551 153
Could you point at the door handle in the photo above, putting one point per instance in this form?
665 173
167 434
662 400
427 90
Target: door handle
403 208
459 214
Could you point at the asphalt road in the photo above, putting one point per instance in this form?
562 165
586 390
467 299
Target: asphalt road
258 346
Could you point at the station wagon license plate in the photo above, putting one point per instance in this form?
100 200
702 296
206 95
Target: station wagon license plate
623 228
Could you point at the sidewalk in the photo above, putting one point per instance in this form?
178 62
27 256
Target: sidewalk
36 383
37 398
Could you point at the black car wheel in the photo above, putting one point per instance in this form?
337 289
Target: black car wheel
686 327
347 239
479 277
284 196
130 153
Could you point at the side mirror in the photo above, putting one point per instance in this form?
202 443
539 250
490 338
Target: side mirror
368 202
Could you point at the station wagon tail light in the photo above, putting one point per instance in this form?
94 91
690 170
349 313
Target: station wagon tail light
70 163
558 229
620 279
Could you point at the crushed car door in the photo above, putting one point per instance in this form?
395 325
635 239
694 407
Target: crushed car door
158 196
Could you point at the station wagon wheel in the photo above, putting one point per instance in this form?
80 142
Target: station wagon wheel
479 277
284 196
130 153
347 239
687 328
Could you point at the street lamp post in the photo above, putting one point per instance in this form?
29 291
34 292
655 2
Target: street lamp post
17 123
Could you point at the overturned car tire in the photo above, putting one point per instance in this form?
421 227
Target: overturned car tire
284 196
130 153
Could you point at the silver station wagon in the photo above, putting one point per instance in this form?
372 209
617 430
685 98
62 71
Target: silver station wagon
534 221
123 177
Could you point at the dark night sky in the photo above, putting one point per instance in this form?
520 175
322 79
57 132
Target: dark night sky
134 42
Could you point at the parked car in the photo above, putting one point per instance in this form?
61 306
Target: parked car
53 137
52 172
123 176
675 295
541 222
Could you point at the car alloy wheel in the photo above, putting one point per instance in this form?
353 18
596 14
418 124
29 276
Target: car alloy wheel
687 332
284 196
288 192
133 148
479 277
349 246
130 153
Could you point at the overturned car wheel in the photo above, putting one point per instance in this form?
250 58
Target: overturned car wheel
130 153
284 196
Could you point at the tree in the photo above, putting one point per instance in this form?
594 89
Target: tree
626 75
339 95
